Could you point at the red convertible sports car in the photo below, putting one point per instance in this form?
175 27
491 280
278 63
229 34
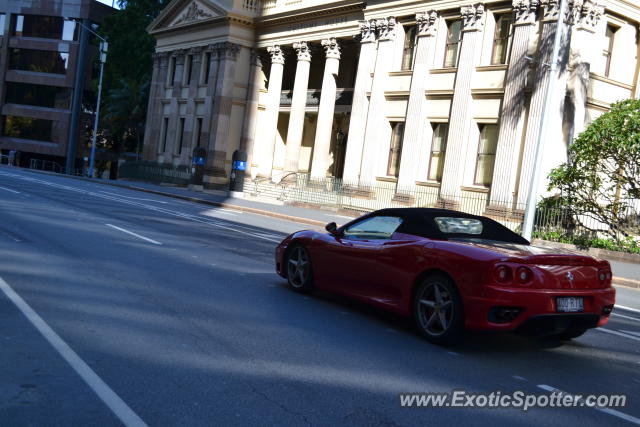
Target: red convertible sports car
451 271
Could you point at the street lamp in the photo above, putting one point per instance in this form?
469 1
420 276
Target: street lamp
104 46
103 58
530 212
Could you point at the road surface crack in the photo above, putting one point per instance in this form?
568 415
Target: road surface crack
280 405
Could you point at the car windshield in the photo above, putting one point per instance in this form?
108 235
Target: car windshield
456 225
378 227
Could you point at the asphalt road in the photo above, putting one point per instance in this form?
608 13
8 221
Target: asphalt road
146 309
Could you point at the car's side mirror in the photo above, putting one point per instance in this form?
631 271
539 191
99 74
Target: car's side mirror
331 228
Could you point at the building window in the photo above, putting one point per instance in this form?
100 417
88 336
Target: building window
188 69
206 68
2 23
38 95
608 49
40 61
486 154
172 71
438 150
198 131
452 50
47 27
180 136
501 39
28 128
164 132
408 53
395 148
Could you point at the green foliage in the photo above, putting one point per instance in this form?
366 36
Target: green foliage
128 71
628 244
603 173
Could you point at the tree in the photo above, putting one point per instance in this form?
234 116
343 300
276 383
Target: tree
128 70
602 176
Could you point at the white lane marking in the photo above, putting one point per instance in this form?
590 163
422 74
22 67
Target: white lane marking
134 198
518 377
627 308
104 392
453 353
609 411
341 216
10 236
626 317
191 217
10 190
634 333
620 334
155 242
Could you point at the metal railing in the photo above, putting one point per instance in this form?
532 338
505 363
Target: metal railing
155 172
46 165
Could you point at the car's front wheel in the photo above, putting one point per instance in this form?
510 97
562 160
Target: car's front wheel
438 311
299 269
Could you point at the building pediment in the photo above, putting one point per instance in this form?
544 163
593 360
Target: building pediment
184 13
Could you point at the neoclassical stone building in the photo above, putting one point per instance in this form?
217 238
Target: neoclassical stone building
441 95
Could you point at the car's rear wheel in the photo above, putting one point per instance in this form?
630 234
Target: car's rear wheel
299 269
438 311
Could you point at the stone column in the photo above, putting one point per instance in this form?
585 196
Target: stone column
324 127
555 132
413 143
154 107
298 106
586 17
222 103
270 128
360 102
206 137
376 119
513 106
251 108
460 118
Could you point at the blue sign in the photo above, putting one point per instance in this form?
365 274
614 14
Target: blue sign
198 161
240 165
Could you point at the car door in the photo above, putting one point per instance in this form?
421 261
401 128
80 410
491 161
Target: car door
356 255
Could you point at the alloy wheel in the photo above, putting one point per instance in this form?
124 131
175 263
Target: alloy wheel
435 312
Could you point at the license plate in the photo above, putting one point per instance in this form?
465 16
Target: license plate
569 304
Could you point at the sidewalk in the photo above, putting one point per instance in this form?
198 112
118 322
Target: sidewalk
625 273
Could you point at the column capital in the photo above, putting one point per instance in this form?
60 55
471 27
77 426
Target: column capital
160 58
179 55
227 50
525 11
277 55
427 23
256 58
586 14
386 28
302 51
367 31
550 10
331 48
472 17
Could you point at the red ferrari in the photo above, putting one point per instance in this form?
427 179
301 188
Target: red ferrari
451 271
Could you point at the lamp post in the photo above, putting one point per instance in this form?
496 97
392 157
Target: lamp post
103 58
104 46
530 212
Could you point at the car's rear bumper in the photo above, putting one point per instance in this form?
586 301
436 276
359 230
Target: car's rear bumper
530 309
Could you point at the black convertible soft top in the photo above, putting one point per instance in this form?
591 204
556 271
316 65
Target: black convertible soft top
421 222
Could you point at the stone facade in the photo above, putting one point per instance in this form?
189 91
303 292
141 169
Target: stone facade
399 95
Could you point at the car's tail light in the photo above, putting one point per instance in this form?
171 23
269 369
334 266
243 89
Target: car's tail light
502 274
604 276
524 275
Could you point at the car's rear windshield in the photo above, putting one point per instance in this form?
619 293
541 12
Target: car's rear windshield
455 225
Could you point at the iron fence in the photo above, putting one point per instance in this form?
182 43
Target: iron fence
155 172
